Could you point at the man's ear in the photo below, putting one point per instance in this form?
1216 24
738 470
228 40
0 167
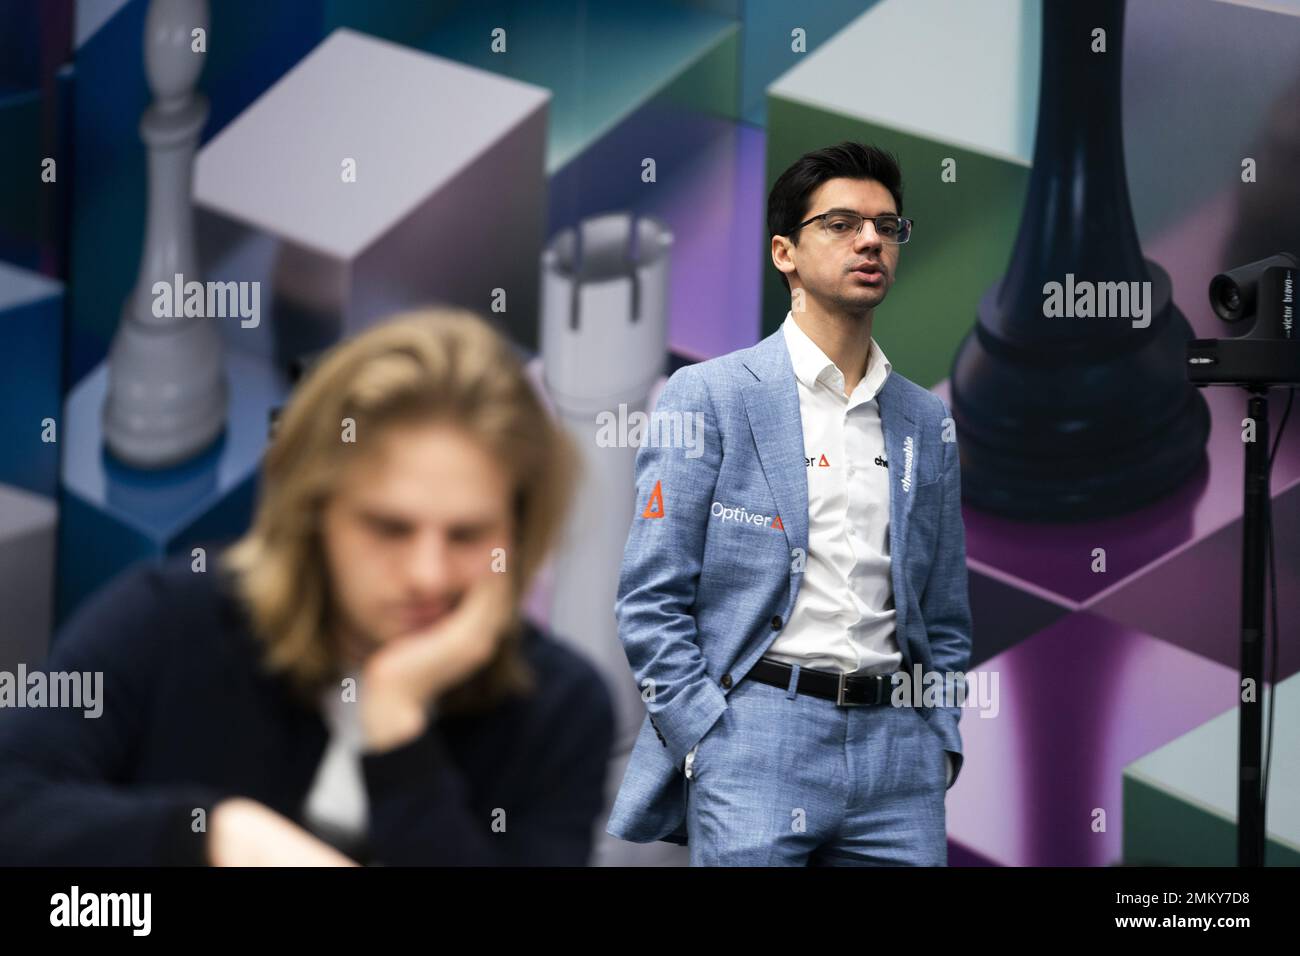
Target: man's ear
781 247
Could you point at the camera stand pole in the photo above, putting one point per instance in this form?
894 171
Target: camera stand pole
1250 825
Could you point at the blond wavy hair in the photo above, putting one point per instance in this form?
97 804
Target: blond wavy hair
436 365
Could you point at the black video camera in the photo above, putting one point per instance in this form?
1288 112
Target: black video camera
1262 295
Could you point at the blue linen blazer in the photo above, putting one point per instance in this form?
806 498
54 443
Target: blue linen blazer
700 598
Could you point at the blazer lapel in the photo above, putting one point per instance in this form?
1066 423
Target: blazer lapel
772 404
903 452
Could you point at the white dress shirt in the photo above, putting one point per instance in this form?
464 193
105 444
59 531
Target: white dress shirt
843 619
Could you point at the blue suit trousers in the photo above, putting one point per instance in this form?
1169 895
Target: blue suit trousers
789 779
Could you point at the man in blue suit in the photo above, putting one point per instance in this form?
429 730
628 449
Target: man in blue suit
790 589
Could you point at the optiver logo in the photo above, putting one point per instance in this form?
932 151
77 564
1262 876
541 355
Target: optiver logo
654 508
720 510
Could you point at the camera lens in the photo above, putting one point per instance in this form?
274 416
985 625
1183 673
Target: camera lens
1225 297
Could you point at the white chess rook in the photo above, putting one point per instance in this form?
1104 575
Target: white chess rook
604 340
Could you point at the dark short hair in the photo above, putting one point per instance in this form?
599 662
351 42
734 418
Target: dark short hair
787 203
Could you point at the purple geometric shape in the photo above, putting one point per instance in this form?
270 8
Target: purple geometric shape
717 217
1192 251
1076 703
959 855
1193 597
1054 561
1004 615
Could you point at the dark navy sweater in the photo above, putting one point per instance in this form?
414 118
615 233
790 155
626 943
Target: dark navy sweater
190 717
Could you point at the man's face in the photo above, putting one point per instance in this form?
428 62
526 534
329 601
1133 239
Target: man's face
411 526
843 274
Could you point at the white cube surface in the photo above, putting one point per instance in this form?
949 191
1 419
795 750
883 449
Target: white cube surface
411 121
973 83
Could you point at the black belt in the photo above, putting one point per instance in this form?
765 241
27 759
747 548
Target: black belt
847 690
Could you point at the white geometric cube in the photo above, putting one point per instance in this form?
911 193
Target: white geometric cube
449 197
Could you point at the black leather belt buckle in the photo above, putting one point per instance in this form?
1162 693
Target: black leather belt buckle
866 691
840 700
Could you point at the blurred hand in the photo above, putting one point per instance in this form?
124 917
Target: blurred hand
243 832
403 677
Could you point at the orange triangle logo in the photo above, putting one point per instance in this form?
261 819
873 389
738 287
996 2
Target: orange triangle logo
776 524
654 508
823 463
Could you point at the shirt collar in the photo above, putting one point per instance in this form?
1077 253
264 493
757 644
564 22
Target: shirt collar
812 366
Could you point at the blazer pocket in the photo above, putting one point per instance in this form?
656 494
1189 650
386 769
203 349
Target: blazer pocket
923 522
700 745
752 552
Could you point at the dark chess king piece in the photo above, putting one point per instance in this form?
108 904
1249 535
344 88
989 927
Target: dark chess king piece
1072 400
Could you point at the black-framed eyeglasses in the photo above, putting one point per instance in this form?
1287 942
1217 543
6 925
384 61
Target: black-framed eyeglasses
848 225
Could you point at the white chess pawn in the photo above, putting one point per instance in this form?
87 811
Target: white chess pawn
167 387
